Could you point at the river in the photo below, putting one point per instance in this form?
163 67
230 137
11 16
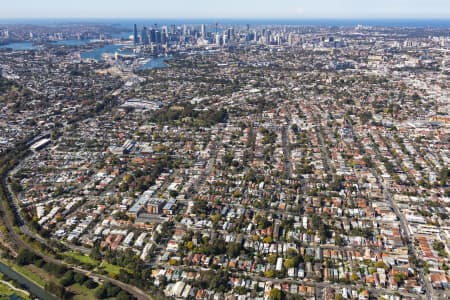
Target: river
34 289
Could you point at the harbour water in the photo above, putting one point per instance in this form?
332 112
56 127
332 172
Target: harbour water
153 63
71 42
97 53
23 46
20 46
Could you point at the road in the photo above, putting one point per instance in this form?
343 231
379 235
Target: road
325 156
139 294
24 227
404 231
286 149
407 234
11 205
318 285
204 173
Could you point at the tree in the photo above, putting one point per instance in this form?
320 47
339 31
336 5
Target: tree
189 245
338 297
269 273
67 279
217 281
216 218
112 290
16 187
443 176
80 278
228 158
240 290
365 117
55 289
261 221
100 292
275 294
413 260
289 263
95 253
381 264
26 257
218 246
123 295
90 284
272 259
107 290
234 249
338 240
440 248
399 278
267 240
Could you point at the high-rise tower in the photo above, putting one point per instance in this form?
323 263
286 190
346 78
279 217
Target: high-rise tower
135 35
203 31
144 36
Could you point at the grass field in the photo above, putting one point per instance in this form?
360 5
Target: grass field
84 259
6 292
41 277
82 292
33 273
110 268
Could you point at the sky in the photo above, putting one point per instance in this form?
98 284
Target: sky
228 9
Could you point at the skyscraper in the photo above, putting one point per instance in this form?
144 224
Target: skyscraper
219 40
157 37
152 35
203 31
229 33
144 36
164 34
135 35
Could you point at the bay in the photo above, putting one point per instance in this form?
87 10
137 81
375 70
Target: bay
19 46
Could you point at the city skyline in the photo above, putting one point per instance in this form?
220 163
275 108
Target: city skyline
251 9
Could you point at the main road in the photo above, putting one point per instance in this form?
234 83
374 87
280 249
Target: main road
404 231
136 292
11 205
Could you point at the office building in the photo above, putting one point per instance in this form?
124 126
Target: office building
135 35
203 31
144 36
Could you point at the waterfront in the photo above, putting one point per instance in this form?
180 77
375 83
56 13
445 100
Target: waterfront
97 53
24 46
19 46
155 63
71 42
34 289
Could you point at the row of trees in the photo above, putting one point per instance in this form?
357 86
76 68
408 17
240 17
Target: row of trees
68 278
187 111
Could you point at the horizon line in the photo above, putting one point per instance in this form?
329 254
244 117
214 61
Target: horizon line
225 18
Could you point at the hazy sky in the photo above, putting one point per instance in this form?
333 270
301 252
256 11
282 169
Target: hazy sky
161 9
